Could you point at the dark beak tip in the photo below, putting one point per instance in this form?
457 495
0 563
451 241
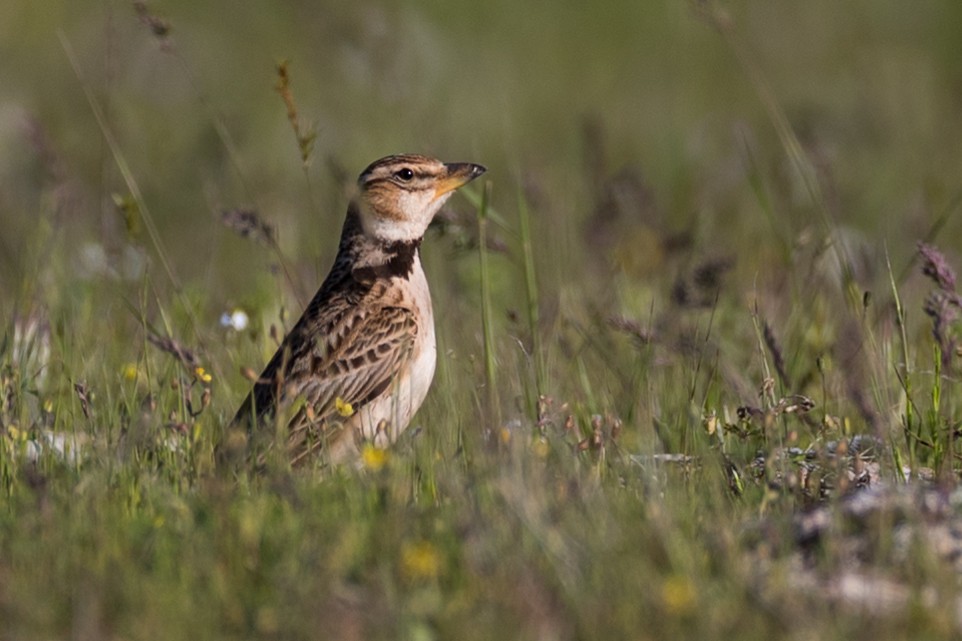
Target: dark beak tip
469 170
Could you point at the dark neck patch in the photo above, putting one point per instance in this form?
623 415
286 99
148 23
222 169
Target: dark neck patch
398 261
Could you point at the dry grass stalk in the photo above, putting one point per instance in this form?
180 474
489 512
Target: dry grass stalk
166 344
306 135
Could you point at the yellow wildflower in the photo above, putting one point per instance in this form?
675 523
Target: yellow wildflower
678 595
344 408
202 375
420 560
373 458
130 372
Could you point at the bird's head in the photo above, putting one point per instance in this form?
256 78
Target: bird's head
399 195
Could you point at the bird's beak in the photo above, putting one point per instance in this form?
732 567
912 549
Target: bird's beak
459 174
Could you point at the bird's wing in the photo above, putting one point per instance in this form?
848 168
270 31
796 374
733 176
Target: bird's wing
331 364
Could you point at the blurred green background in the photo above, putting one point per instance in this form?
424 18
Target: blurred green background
872 88
686 165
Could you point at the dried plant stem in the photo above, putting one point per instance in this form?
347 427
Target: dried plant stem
305 134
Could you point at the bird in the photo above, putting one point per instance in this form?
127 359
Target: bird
358 363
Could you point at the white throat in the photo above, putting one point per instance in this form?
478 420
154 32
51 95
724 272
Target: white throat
419 209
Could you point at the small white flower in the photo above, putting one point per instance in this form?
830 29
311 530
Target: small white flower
236 320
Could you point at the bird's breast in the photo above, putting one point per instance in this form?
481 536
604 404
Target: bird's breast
425 352
383 420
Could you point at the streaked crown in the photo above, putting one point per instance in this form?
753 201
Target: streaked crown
399 195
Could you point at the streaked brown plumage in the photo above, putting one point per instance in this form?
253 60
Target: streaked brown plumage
358 363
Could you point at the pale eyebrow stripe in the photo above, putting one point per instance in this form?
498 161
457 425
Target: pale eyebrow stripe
420 174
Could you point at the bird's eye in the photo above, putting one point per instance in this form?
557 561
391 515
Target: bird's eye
404 174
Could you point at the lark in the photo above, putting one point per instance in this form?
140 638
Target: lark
357 365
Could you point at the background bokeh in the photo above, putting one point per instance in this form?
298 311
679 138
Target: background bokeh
871 88
723 197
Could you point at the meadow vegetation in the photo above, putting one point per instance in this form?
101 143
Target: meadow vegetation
698 355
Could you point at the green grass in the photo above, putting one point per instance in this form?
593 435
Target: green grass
692 273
